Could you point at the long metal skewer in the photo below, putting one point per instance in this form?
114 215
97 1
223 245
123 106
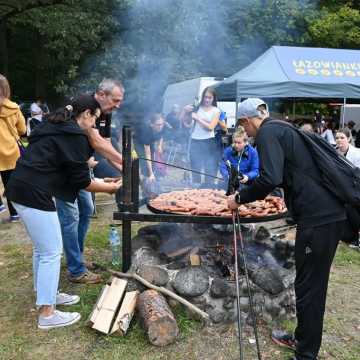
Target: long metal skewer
251 302
237 288
181 168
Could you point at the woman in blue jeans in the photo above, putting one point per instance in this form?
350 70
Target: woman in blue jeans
54 165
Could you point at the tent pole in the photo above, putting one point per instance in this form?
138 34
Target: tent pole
236 104
294 104
343 114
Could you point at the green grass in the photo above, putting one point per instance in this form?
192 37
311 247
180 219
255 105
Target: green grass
347 256
20 339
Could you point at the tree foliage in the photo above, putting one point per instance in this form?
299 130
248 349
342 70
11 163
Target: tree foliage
54 48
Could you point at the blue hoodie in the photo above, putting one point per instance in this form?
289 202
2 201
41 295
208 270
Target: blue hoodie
247 164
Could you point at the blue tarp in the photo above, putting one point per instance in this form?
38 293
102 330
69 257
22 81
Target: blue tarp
296 72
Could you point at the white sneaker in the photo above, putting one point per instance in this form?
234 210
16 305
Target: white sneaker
58 319
66 299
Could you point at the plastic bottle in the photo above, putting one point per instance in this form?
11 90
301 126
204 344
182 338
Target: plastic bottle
115 244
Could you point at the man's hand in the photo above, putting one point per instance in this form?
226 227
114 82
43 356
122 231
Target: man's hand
114 186
232 204
245 179
92 162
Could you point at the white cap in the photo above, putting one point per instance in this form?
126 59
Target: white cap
249 108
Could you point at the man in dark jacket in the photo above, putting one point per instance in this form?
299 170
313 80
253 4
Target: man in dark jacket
286 162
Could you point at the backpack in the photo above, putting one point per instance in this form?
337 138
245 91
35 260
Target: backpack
338 174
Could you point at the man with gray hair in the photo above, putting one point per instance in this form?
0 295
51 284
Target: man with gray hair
285 161
75 217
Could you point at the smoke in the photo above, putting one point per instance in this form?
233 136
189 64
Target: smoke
159 42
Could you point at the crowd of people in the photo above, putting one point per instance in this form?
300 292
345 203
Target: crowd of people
49 186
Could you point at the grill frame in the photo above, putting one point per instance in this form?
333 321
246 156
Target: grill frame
127 199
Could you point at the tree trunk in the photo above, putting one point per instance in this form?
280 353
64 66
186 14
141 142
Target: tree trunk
157 318
4 48
40 76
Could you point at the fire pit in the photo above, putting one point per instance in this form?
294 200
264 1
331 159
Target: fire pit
210 284
128 204
195 259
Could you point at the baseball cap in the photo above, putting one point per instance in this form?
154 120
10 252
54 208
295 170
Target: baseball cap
249 108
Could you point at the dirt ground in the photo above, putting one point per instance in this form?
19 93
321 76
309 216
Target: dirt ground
20 338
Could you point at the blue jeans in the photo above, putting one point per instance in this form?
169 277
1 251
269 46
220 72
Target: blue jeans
75 220
44 230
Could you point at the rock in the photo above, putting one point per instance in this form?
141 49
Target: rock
217 316
274 310
291 245
173 303
199 300
259 299
244 304
289 264
154 274
268 280
281 245
191 281
176 265
219 288
134 285
242 289
228 303
262 233
222 228
250 320
145 256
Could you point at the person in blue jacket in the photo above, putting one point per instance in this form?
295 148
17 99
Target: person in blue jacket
242 156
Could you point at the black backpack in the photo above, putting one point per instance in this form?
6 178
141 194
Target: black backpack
338 174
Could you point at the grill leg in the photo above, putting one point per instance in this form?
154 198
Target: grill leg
126 235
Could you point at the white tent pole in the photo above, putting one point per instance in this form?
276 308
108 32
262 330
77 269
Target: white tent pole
343 113
236 104
294 104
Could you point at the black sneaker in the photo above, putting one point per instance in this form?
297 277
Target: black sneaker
284 339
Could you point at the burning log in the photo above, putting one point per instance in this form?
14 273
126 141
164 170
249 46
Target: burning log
157 318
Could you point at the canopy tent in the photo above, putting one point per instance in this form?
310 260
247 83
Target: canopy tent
296 72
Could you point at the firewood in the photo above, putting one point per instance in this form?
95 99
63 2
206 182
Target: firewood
195 260
162 290
98 305
109 305
126 313
178 252
157 318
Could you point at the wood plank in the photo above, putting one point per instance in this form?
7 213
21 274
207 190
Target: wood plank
98 304
109 306
126 312
195 260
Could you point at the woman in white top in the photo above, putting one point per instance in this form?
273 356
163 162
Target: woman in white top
343 138
203 147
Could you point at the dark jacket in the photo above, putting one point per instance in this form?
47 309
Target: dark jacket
56 160
286 162
247 163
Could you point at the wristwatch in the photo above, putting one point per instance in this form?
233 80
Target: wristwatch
237 197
